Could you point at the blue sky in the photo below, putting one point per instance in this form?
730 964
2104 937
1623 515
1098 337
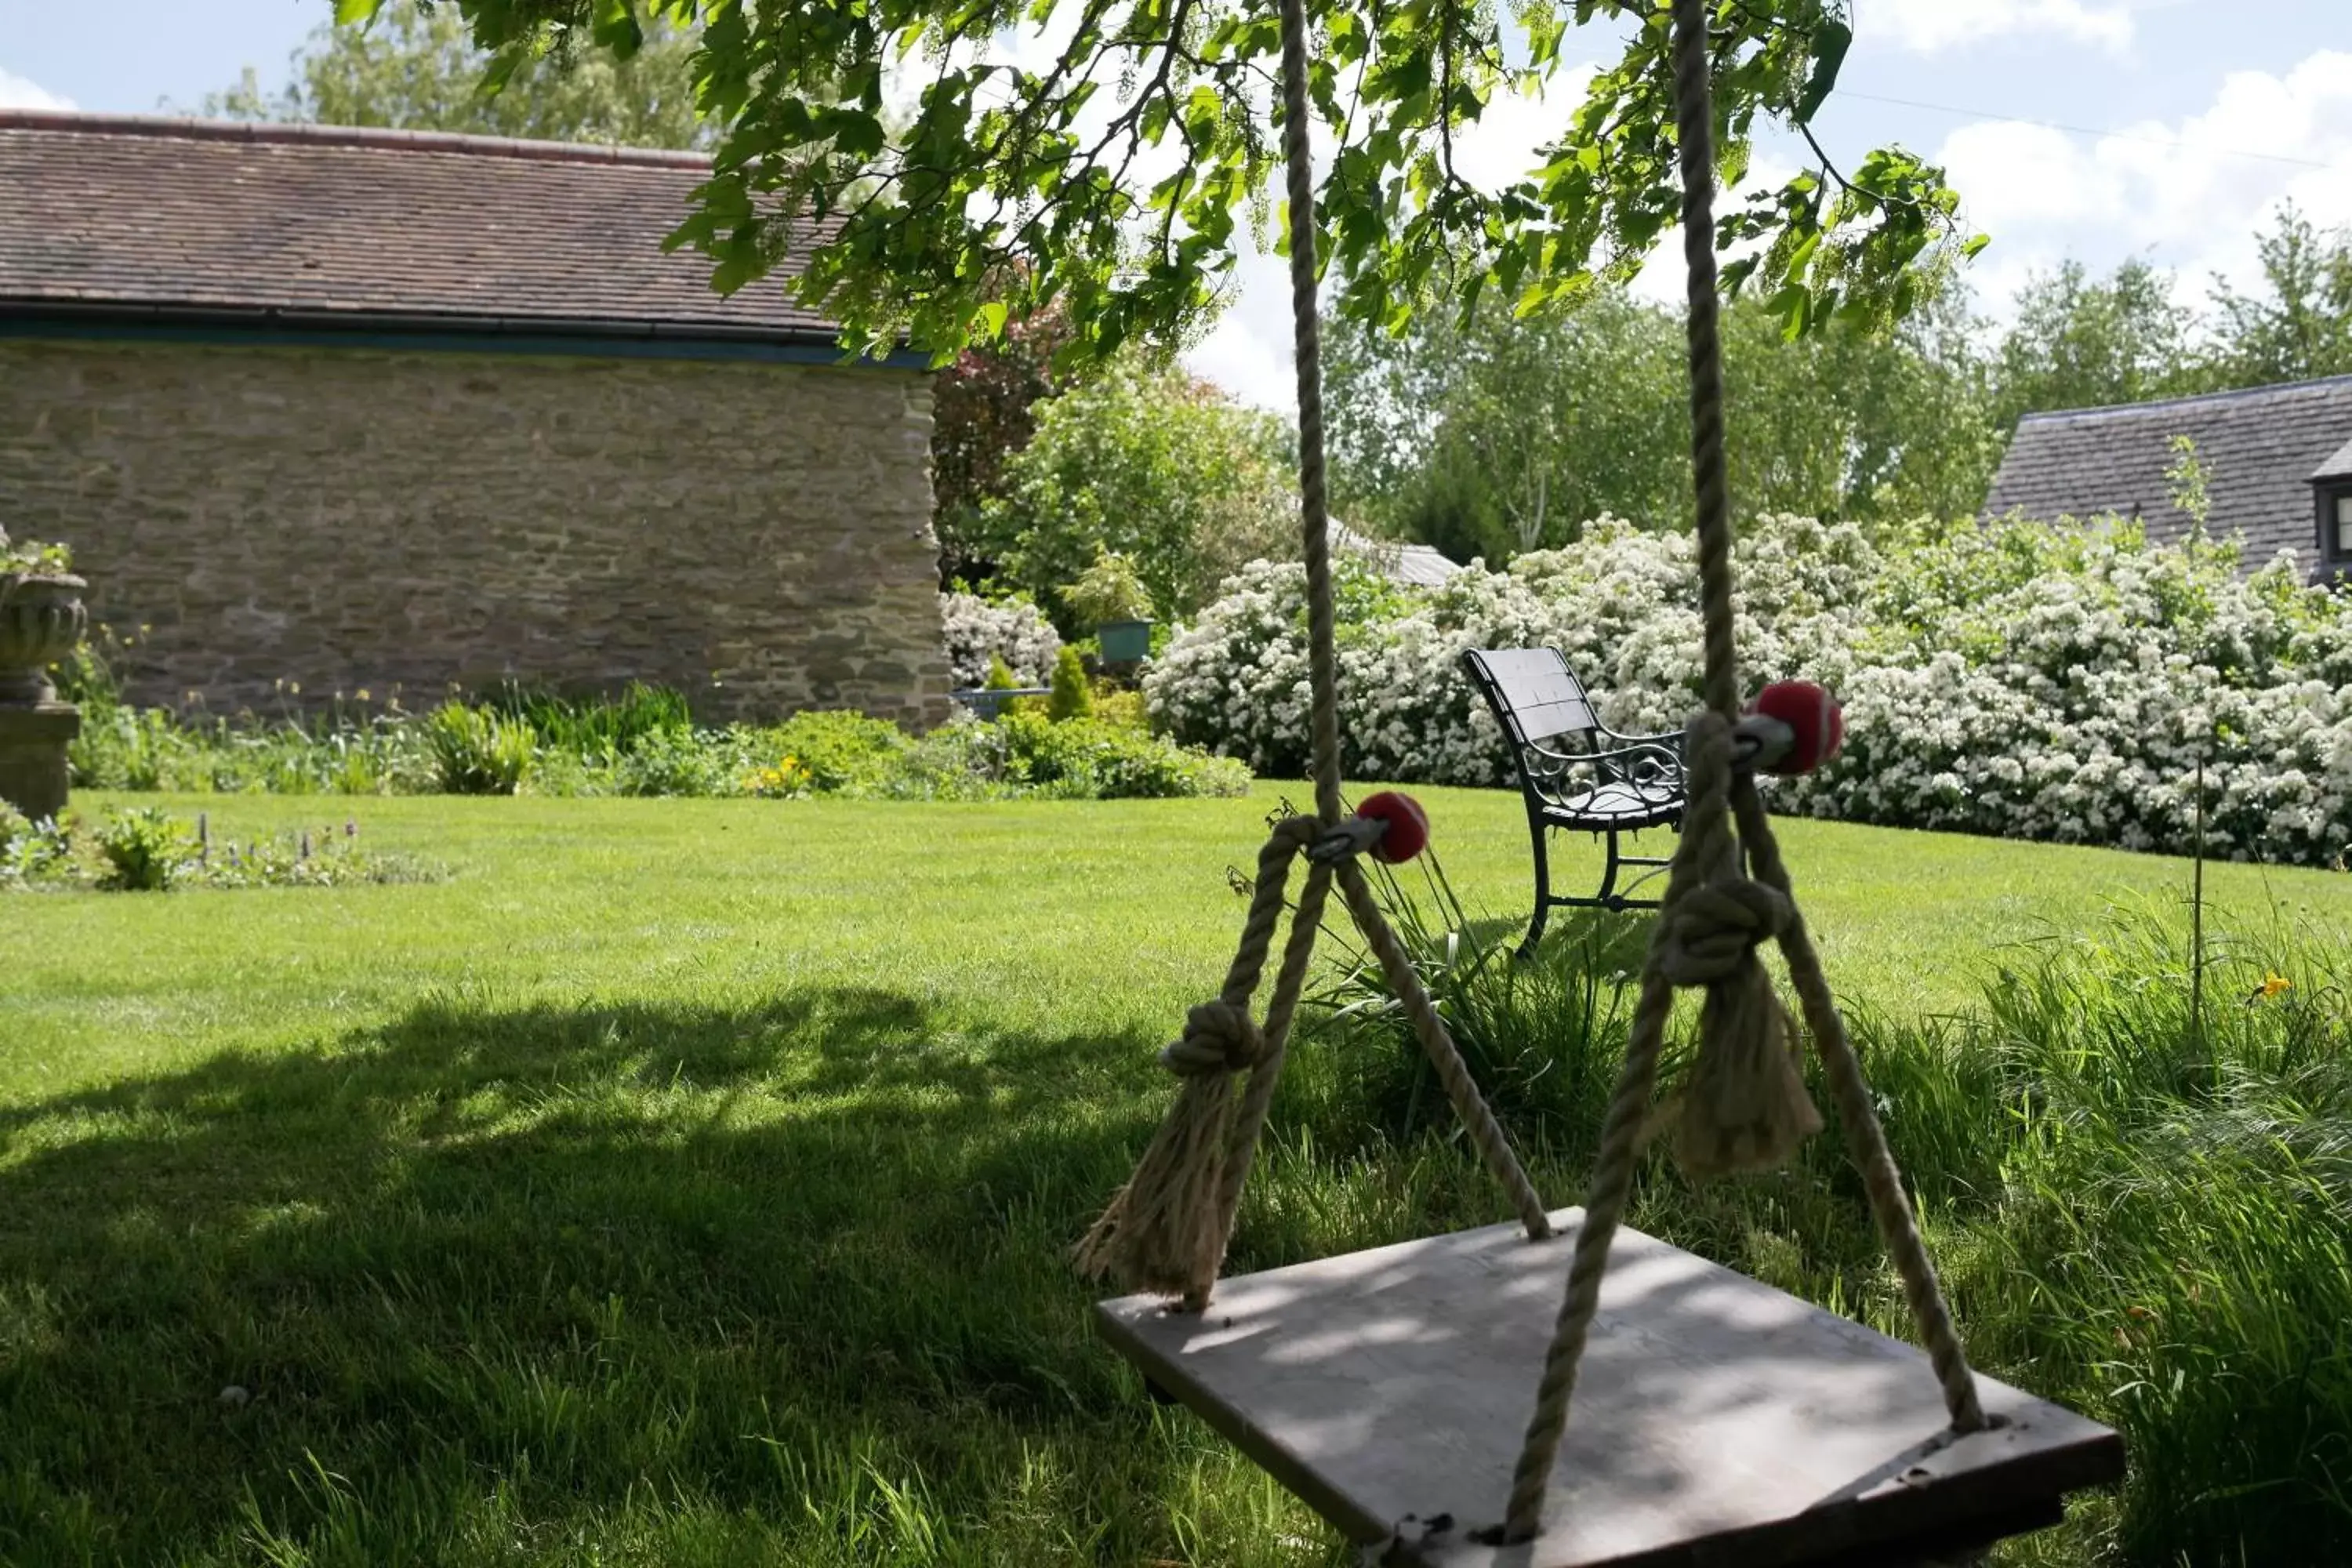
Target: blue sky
2098 128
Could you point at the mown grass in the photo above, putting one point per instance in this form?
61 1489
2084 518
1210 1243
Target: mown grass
688 1182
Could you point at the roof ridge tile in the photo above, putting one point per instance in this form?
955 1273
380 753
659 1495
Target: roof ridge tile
79 122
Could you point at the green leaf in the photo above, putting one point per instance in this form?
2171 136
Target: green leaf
855 133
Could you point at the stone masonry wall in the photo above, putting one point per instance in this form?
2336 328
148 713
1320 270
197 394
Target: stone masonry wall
254 519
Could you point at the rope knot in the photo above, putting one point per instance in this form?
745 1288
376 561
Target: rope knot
1294 834
1743 1106
1713 930
1219 1037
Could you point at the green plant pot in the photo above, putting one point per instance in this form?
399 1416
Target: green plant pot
1124 642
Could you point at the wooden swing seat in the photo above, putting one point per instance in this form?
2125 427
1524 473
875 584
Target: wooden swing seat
1718 1423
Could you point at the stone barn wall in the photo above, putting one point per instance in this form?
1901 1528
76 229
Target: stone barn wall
756 536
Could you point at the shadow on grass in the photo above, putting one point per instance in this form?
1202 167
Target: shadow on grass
488 1275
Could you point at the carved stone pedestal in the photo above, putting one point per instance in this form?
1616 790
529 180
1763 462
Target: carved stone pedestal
33 756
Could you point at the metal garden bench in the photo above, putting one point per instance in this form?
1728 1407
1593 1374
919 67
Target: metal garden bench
1576 773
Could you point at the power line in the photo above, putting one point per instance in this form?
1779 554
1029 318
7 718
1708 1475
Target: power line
2084 129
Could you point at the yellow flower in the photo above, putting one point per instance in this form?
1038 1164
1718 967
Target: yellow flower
2272 983
363 695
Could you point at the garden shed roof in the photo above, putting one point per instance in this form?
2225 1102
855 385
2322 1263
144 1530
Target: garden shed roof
2260 450
1413 565
163 220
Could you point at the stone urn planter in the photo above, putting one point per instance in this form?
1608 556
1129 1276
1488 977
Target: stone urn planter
41 621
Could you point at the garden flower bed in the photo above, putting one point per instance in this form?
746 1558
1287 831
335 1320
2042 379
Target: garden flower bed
2016 679
643 743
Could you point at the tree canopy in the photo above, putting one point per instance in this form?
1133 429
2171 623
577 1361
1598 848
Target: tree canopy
415 69
1147 461
2080 342
2298 323
1120 172
1497 435
1500 436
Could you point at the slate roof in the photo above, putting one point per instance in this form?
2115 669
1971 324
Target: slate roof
1413 565
2338 464
2261 450
168 220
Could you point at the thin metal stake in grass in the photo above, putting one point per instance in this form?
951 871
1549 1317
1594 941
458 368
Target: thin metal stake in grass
2197 919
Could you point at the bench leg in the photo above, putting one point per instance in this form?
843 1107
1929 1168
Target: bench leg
1543 889
1607 897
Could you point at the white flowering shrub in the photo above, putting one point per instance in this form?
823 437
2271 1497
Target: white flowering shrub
2014 679
976 629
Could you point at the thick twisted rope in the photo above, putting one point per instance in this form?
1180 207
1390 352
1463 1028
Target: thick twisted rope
1289 984
1486 1134
1314 523
1699 856
1323 664
1866 1138
1166 1229
1162 1231
1743 1106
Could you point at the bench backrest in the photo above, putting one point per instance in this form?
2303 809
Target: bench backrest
1533 692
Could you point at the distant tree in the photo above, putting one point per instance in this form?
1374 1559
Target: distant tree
1857 421
982 412
416 68
2298 324
1150 462
1509 434
2083 342
1383 399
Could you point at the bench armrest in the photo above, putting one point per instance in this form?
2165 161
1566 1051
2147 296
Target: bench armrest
1670 738
1648 765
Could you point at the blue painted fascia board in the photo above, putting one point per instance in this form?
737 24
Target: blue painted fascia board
264 333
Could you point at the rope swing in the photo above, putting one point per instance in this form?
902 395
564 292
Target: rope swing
1743 1107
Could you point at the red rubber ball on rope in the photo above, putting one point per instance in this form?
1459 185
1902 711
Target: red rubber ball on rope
1408 829
1811 715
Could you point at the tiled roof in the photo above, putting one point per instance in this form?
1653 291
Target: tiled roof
1414 565
182 220
2338 464
2260 450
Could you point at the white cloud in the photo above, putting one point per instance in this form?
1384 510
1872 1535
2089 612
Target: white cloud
1927 27
17 92
2188 195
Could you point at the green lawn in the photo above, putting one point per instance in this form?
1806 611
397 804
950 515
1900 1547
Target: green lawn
687 1182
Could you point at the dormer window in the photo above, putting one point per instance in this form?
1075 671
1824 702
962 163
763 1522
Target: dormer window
2334 494
2331 487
